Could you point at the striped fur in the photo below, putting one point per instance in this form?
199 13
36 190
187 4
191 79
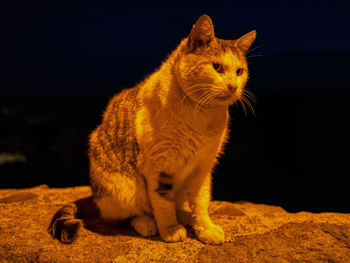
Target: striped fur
165 186
64 226
115 140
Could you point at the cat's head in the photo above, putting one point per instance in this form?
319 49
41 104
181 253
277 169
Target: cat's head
213 71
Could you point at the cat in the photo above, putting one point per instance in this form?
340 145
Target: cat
152 156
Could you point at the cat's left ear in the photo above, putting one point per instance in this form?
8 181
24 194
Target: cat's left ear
244 42
202 33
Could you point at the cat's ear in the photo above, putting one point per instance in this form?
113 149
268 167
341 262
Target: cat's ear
202 33
244 42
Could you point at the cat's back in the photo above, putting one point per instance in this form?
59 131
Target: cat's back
113 144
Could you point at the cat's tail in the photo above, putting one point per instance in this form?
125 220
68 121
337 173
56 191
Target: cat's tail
67 221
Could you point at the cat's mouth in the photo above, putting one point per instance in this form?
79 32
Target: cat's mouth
227 99
224 97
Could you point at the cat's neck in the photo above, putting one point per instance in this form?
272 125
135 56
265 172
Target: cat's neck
215 119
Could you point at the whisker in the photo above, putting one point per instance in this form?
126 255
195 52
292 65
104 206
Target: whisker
196 108
249 105
252 56
193 91
249 95
199 84
243 106
204 99
256 48
210 97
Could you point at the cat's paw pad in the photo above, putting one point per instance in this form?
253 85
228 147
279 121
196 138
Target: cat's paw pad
173 233
144 225
185 218
212 235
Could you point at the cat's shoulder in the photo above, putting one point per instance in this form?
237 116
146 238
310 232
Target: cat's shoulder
125 96
127 93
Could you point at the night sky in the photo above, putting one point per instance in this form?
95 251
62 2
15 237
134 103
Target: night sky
62 60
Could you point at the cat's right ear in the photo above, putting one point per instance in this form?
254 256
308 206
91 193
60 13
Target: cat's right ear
202 33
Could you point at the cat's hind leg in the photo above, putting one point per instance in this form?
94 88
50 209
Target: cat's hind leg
144 225
119 196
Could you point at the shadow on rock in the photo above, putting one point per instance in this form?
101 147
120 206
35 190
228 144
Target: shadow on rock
67 221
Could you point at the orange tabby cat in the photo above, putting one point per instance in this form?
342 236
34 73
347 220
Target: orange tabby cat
151 157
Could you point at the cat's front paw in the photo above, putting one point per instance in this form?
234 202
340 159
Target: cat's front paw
173 233
212 235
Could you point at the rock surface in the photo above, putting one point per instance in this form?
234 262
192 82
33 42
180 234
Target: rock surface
254 233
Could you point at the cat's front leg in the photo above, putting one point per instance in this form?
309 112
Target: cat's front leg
199 189
161 194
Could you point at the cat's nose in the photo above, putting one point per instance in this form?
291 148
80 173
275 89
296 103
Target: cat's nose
231 87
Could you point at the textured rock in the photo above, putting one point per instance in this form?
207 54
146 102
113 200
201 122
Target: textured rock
255 233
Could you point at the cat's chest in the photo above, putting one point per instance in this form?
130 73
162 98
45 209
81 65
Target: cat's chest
203 137
215 125
183 138
211 124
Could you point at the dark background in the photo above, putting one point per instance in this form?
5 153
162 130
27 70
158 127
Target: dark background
61 62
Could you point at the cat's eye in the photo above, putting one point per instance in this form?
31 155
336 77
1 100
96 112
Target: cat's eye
239 71
218 67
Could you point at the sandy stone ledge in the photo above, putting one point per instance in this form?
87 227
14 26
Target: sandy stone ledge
254 233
